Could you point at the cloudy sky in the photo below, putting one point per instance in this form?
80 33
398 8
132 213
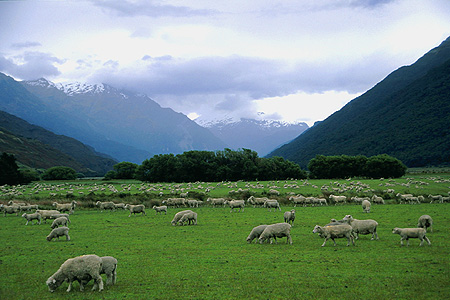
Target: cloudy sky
284 60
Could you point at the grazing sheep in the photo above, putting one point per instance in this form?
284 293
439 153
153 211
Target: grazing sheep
289 217
338 199
256 233
257 201
177 202
425 221
47 214
109 268
407 233
178 216
274 192
366 206
334 232
26 208
81 268
160 209
275 231
16 203
188 217
31 217
13 209
119 205
56 216
69 207
61 221
378 200
362 226
57 232
437 198
105 205
216 201
136 209
403 197
272 204
235 204
192 203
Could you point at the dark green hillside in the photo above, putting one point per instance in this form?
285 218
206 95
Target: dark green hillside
407 115
39 148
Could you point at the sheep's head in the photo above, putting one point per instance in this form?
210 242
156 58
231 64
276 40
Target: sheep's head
317 229
396 230
24 215
53 284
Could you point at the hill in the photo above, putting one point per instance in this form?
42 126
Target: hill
406 115
38 148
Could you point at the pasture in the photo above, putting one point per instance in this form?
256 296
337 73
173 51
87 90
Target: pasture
212 260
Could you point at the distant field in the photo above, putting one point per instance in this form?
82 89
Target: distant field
213 261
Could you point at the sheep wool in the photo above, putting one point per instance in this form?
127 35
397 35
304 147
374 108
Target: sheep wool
255 233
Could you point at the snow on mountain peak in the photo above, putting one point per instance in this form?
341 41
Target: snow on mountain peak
75 88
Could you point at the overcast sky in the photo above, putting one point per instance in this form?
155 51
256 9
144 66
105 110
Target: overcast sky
284 60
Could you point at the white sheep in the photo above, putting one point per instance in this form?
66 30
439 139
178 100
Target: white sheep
177 202
119 205
362 226
105 205
192 203
31 217
256 233
425 221
407 233
69 207
256 201
160 209
81 268
366 206
178 216
275 231
338 199
216 201
109 268
47 214
136 209
289 217
188 217
56 216
236 204
378 200
271 203
334 232
437 198
61 221
57 232
13 209
403 197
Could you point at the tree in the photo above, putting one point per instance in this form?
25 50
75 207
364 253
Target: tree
59 173
122 170
9 171
384 166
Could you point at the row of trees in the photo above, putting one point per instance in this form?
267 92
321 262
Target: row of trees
191 166
344 166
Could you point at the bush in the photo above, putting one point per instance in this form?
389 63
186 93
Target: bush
59 173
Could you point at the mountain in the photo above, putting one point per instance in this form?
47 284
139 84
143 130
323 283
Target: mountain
262 136
406 115
38 148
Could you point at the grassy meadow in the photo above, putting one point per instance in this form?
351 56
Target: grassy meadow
212 260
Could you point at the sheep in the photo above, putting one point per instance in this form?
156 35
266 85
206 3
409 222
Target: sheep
119 205
256 233
56 216
69 207
257 201
178 216
16 203
81 268
177 202
402 197
437 198
57 232
362 226
136 209
274 192
338 199
61 221
297 200
47 214
188 217
160 209
109 268
26 208
366 206
272 204
289 217
13 209
378 200
407 233
275 231
425 221
31 217
236 204
192 203
216 201
105 205
334 232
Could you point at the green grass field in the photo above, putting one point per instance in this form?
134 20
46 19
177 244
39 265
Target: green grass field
212 260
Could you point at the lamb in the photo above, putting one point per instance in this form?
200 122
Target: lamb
275 231
61 221
57 232
56 216
109 268
256 233
178 216
192 203
289 217
236 204
105 205
119 205
216 201
334 232
378 200
272 204
160 209
69 207
407 233
366 206
188 217
47 214
81 268
362 226
31 217
338 199
425 221
135 209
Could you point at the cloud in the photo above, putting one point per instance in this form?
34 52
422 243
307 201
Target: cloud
30 65
27 44
153 9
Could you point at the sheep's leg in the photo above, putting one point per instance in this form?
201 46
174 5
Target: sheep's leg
289 239
99 283
67 237
70 286
428 241
27 223
324 242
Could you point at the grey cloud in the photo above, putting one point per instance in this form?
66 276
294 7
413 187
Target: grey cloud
33 65
27 44
150 9
369 3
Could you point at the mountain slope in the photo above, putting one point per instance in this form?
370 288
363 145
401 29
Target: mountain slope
261 136
39 148
407 115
